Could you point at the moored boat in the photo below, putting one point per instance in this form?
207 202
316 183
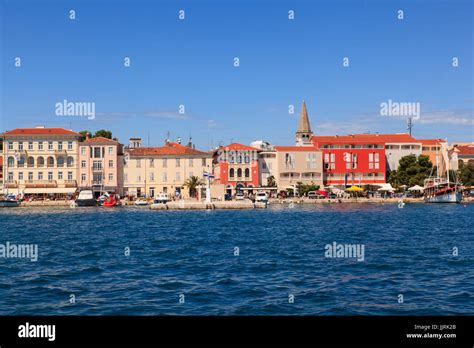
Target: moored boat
141 201
438 190
86 199
9 202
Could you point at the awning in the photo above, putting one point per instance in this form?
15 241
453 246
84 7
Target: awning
384 187
416 188
51 190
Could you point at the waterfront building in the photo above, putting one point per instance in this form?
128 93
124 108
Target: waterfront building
40 160
152 170
101 165
464 154
351 160
236 167
297 164
304 132
1 174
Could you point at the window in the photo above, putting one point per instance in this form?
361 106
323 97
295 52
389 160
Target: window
60 175
83 164
165 163
60 145
152 163
10 145
83 150
97 165
177 162
40 175
231 172
69 175
10 176
111 177
40 145
139 163
178 176
374 161
30 176
239 173
247 173
50 176
289 161
310 161
111 150
111 163
139 178
83 177
97 152
20 176
152 176
164 177
30 145
190 162
60 161
70 161
203 162
264 165
69 145
50 145
11 161
20 145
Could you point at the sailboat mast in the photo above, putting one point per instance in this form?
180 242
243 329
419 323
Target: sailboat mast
447 162
437 164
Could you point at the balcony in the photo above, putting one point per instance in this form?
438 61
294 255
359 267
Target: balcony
41 184
11 184
60 152
70 183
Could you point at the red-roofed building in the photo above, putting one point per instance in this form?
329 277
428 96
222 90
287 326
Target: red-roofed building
101 165
164 169
40 160
465 154
236 167
352 159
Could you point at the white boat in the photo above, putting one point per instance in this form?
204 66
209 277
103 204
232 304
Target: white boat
86 199
141 201
161 198
9 202
441 190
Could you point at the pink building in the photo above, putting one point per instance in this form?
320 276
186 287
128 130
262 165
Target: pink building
101 165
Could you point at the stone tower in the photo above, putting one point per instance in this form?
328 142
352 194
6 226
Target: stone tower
303 133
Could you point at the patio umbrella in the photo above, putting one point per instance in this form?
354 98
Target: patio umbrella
354 189
416 188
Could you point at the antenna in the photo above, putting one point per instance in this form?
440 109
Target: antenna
409 125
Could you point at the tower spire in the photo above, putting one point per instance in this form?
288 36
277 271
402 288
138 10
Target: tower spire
303 133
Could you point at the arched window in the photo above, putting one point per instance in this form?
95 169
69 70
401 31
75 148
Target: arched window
60 161
11 161
31 162
231 172
40 162
50 162
70 161
239 173
247 173
21 161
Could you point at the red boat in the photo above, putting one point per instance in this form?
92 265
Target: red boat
110 202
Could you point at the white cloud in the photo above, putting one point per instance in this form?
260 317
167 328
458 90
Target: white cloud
454 117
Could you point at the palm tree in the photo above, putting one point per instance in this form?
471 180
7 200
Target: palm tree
271 181
192 183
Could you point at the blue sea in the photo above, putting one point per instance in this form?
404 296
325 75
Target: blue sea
243 262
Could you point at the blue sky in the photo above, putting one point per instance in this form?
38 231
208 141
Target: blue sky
190 62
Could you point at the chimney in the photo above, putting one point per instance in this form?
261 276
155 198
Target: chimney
88 135
178 140
190 142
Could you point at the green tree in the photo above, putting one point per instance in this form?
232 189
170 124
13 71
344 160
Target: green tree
271 182
103 133
412 171
466 174
84 134
303 189
192 183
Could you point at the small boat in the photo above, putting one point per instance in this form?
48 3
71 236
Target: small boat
161 198
86 199
110 202
9 202
141 201
439 189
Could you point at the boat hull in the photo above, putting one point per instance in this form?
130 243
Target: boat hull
9 204
86 202
451 197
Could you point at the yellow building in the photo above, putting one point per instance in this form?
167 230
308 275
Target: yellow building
40 161
153 170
